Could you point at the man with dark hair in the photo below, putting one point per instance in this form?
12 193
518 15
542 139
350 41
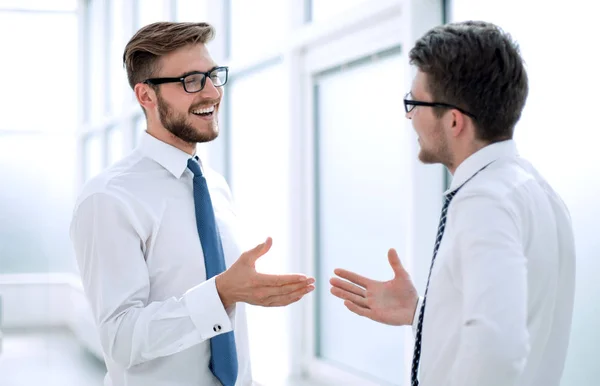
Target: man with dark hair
154 235
498 303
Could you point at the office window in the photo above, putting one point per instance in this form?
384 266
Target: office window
120 92
94 159
361 186
36 201
321 10
192 10
150 11
97 75
257 27
39 73
260 184
40 5
115 144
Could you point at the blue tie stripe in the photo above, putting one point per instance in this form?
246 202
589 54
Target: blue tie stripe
223 361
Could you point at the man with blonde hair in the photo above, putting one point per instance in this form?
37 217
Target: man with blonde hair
154 234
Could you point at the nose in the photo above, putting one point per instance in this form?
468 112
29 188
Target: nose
409 114
209 90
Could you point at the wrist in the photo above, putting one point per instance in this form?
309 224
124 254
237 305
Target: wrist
224 291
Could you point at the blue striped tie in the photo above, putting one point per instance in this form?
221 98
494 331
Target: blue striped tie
223 360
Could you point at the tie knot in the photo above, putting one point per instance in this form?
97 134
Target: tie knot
194 166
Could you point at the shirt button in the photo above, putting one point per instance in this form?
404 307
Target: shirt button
216 328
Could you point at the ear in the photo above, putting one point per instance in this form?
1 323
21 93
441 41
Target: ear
145 95
456 122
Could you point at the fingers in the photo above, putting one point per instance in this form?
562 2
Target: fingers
289 288
252 255
345 295
347 286
284 300
394 260
362 311
352 277
267 280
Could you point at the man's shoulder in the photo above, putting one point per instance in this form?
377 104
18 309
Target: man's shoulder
115 179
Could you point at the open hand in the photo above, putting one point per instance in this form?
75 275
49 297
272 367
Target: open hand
241 282
390 302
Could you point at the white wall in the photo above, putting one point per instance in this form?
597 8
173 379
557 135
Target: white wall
559 132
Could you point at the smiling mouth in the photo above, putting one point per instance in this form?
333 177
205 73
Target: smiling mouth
204 112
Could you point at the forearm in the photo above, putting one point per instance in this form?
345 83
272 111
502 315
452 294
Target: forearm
142 333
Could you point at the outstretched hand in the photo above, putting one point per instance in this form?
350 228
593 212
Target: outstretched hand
391 302
242 283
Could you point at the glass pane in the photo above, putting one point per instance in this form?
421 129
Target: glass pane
361 177
192 10
325 9
40 85
150 11
97 82
92 154
119 88
260 184
115 145
39 5
257 26
36 201
140 128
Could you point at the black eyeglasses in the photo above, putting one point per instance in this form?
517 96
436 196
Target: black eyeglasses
410 104
195 81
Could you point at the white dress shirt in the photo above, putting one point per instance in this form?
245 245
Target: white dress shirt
141 262
501 293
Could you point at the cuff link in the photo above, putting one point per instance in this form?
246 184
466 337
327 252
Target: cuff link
216 328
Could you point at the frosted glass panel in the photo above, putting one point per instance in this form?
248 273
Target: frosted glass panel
192 10
256 26
361 188
42 74
562 142
115 145
36 202
150 11
260 184
92 155
97 86
325 9
40 5
119 88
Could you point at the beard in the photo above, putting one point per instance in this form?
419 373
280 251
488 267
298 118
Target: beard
439 151
178 124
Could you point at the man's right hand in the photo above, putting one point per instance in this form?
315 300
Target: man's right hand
391 302
241 282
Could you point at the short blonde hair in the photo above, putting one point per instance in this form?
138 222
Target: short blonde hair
155 40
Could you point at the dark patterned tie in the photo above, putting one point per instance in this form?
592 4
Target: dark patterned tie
438 240
223 360
417 351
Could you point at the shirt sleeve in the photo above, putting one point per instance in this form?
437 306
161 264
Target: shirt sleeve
107 239
494 341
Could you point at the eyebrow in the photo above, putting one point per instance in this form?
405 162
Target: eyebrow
196 71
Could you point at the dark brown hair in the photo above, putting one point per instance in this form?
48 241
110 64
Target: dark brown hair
157 39
476 66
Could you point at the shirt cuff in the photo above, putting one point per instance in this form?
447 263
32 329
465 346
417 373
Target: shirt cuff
415 321
206 310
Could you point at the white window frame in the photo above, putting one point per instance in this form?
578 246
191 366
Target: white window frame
370 28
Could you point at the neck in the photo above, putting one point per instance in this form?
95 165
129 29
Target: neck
157 130
463 152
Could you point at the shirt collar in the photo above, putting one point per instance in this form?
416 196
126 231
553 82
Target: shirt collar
480 159
168 156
